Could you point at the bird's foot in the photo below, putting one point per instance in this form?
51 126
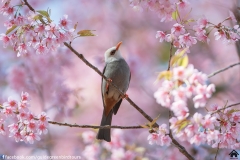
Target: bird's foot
108 81
125 96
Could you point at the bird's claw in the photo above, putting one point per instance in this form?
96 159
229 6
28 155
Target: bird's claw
125 96
108 81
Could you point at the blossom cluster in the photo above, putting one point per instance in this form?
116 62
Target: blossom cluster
160 137
219 128
25 126
181 38
163 8
118 147
185 83
34 32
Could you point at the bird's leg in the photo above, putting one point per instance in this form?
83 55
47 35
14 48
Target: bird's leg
125 96
108 81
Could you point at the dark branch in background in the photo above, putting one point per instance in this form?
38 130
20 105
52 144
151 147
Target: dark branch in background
100 73
235 104
224 69
29 6
94 127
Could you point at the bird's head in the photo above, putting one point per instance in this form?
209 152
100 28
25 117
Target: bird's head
113 54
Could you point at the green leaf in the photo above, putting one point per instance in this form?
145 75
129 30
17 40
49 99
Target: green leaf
11 29
164 74
175 15
180 59
86 33
43 13
183 61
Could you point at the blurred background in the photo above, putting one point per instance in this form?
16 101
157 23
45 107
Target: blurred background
68 91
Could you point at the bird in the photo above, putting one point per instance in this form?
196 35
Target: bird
118 72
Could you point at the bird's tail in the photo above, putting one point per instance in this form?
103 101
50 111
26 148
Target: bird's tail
105 134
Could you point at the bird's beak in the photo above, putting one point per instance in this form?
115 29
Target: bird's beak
118 45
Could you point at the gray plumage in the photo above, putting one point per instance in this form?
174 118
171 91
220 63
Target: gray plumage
118 71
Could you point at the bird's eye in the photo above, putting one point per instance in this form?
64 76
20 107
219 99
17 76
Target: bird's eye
112 52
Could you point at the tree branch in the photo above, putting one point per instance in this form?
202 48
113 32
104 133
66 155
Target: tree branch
224 69
86 126
235 104
29 6
111 83
94 127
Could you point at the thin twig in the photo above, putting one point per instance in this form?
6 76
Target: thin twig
86 126
235 104
94 127
29 6
224 69
217 151
111 83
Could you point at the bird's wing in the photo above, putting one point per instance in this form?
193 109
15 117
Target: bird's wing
116 107
108 103
102 91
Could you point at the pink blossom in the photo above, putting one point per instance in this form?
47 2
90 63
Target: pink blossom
8 11
64 22
43 117
179 73
187 40
182 4
153 138
42 128
198 139
220 34
212 136
31 137
163 129
40 29
118 154
52 27
41 48
91 152
161 35
178 29
5 39
31 126
208 122
191 130
25 97
165 140
180 110
22 49
10 103
13 128
32 17
20 20
198 118
17 136
88 136
202 22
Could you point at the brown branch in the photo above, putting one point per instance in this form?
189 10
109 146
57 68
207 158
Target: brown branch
86 126
235 104
94 127
111 83
29 6
224 69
